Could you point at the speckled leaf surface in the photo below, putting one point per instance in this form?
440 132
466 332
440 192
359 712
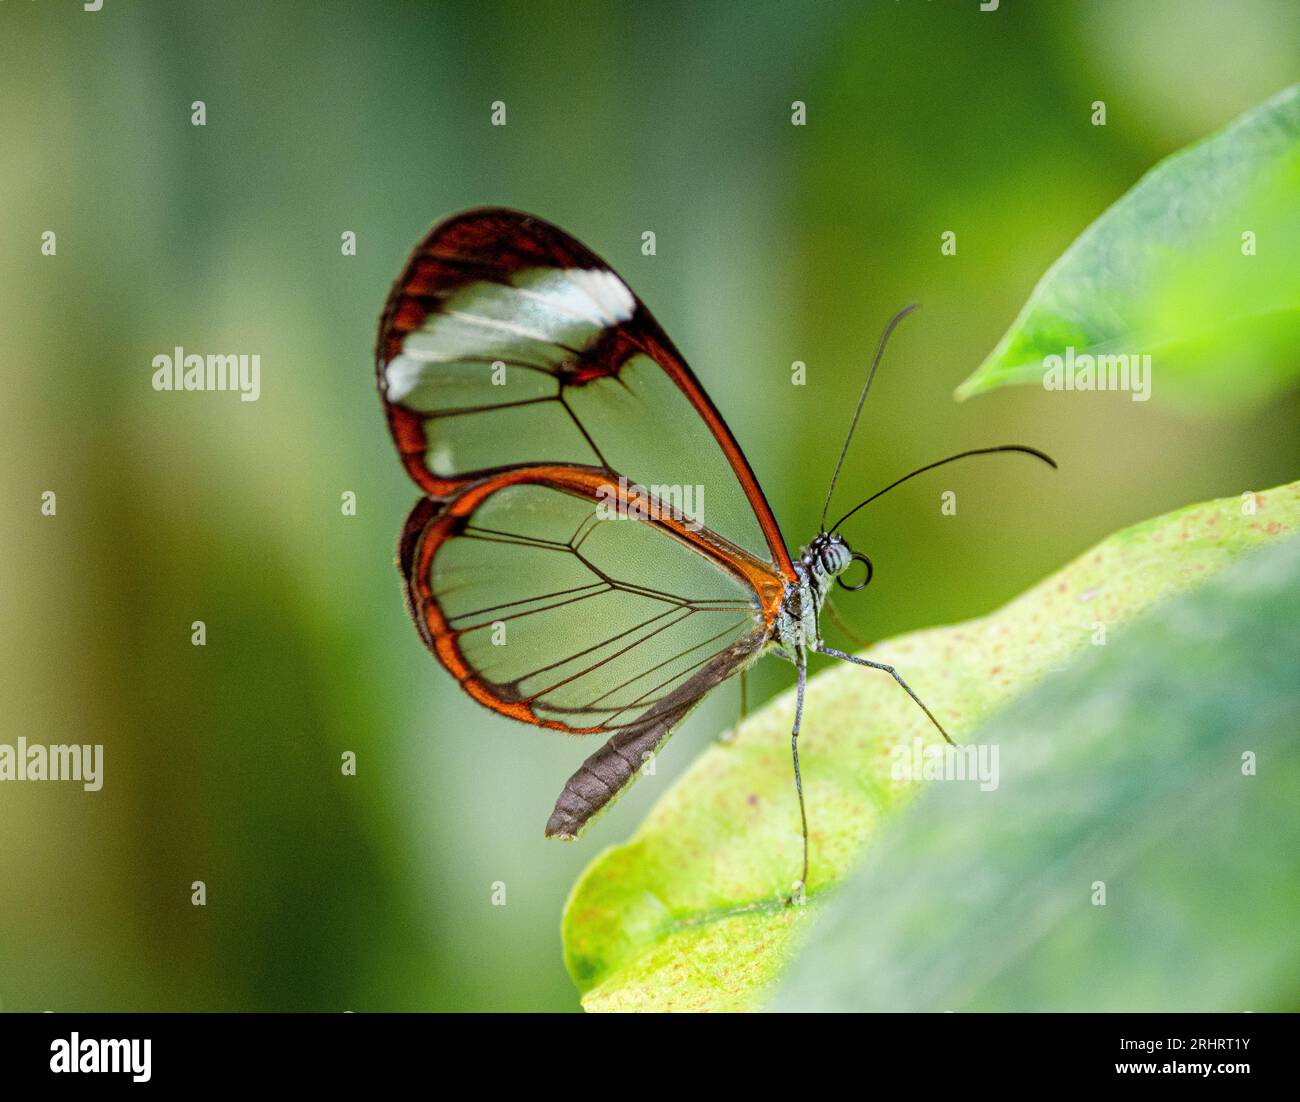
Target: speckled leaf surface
1137 852
688 914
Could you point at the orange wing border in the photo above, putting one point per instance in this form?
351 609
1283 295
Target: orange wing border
491 243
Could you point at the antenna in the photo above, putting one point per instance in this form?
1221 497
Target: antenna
875 363
939 463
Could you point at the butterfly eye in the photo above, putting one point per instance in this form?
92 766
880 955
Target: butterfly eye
859 557
832 560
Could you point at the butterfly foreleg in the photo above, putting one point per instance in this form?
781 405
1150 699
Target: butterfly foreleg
831 652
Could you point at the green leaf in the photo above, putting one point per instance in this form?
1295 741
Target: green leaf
1161 770
688 913
1164 273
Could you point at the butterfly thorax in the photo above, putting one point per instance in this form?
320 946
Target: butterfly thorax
818 564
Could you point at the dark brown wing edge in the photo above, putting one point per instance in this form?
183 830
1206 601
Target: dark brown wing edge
604 776
490 243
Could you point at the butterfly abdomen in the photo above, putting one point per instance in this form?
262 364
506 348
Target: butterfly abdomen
603 776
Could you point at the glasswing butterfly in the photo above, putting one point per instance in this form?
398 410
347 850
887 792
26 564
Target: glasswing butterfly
554 565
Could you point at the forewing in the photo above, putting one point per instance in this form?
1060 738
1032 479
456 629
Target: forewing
506 342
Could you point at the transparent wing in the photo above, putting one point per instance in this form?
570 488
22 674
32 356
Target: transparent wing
551 613
508 343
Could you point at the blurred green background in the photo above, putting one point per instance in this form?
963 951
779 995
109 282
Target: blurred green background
775 244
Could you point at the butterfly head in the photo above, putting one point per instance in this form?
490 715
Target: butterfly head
829 556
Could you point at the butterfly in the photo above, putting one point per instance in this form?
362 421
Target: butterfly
592 552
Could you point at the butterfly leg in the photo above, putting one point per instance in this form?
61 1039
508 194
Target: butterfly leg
892 673
729 735
796 896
